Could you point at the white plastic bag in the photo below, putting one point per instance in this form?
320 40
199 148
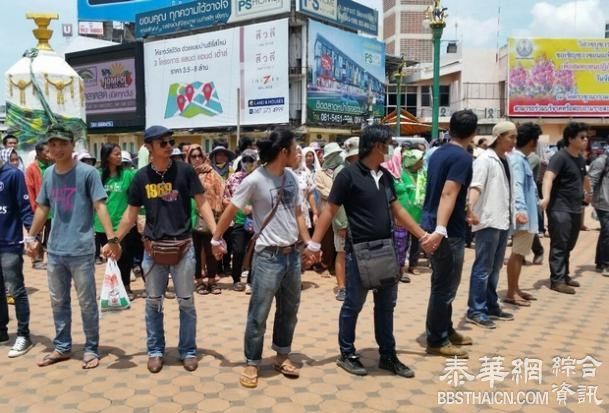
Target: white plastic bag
113 295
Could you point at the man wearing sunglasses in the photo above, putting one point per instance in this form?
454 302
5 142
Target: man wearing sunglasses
164 188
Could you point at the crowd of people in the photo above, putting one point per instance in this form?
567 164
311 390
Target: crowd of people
264 214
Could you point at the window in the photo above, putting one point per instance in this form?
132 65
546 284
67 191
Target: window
425 96
411 102
444 95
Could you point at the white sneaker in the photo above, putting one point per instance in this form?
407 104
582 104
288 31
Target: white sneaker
248 289
22 345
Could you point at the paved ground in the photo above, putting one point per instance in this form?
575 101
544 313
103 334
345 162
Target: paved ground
556 325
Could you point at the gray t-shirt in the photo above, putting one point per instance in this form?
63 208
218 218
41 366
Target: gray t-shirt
260 189
70 197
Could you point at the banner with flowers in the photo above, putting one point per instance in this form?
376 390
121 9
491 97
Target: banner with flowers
558 77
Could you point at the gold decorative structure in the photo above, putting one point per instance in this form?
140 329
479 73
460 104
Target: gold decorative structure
21 85
42 33
60 85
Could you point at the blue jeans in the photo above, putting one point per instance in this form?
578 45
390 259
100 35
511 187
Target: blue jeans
602 245
447 265
157 277
61 271
490 252
384 303
11 276
274 275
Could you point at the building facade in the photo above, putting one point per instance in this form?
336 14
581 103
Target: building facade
403 30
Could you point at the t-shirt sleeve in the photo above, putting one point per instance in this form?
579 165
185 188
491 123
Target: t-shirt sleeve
196 188
340 188
135 196
96 188
460 170
243 194
43 195
557 163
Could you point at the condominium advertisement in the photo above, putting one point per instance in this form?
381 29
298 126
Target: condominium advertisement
194 81
558 77
345 76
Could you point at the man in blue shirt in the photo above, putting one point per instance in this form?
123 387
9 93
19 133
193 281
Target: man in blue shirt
15 213
448 177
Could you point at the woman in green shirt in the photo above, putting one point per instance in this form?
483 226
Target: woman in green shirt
116 181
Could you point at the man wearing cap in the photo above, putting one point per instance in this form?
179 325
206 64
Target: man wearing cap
490 198
73 191
164 188
15 213
340 222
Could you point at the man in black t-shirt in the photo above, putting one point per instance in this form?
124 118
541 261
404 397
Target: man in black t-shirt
164 188
563 194
366 190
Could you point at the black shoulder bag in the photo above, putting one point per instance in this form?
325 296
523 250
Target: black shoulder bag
376 260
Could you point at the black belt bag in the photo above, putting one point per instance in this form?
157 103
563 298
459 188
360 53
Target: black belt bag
377 263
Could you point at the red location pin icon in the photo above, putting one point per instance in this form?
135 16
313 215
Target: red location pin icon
189 92
207 91
181 102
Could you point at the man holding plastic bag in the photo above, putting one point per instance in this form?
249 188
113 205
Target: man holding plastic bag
164 188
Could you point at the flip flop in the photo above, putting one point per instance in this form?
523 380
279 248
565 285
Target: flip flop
527 296
518 302
215 290
287 369
52 358
90 361
201 289
249 381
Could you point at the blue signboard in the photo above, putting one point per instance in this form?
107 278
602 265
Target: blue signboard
204 13
346 13
119 10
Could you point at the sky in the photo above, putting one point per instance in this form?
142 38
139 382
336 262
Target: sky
477 23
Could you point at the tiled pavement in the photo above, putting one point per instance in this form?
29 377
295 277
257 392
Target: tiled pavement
556 324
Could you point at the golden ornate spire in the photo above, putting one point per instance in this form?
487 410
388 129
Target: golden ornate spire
42 32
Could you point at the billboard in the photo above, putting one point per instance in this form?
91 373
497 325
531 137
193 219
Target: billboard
346 13
119 10
558 77
113 80
194 80
201 14
345 73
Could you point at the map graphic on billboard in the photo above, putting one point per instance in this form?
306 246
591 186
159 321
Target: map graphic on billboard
346 73
194 99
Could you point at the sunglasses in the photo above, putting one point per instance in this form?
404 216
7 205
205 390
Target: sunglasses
196 156
163 143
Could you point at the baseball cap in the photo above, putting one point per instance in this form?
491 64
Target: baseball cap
351 146
156 132
126 156
176 152
59 132
501 128
83 156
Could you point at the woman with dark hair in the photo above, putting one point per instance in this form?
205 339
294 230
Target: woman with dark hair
116 181
272 192
201 236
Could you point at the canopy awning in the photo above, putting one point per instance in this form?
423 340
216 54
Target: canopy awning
409 124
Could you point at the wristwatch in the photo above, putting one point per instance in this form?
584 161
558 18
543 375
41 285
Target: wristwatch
114 240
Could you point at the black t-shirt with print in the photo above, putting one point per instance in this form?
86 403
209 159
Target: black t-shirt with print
568 187
366 204
166 200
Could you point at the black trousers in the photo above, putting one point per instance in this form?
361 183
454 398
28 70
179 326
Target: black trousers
564 229
239 239
537 248
204 259
129 244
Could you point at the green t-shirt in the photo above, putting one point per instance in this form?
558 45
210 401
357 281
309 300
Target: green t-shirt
117 188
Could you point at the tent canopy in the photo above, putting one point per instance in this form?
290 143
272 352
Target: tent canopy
409 124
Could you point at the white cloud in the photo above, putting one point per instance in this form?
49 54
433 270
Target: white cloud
584 18
471 31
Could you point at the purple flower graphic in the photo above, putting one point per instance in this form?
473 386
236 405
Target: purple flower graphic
543 76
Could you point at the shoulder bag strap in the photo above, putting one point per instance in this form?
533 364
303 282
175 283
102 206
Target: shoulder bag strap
271 214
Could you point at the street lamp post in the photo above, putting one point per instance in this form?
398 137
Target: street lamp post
398 109
435 19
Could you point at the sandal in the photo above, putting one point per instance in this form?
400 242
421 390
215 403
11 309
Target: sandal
52 358
287 368
517 301
527 296
90 361
247 379
201 288
214 289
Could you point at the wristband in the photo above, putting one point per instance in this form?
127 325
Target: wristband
314 246
441 230
28 238
216 243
